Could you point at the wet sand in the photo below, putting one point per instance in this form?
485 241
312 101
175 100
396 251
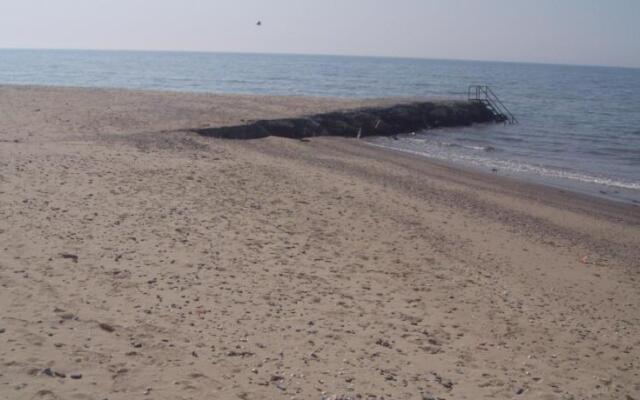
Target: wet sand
140 260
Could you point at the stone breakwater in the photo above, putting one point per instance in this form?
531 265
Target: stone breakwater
383 121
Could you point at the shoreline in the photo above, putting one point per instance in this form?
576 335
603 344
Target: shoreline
529 188
139 258
339 104
475 184
589 189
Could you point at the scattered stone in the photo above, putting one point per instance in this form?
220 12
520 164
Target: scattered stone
234 353
2 330
446 383
383 343
67 316
54 374
107 327
520 391
75 376
276 378
70 256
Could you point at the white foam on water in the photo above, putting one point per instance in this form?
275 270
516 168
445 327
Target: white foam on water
517 167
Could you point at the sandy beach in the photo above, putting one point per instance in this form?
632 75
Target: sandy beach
139 260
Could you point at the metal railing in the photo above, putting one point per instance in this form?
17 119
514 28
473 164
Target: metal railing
484 94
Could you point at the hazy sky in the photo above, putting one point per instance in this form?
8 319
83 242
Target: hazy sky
602 32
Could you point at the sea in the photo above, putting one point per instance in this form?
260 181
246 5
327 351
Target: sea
579 126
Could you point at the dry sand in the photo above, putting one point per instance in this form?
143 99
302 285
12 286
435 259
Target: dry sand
162 265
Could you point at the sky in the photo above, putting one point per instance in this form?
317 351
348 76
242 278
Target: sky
586 32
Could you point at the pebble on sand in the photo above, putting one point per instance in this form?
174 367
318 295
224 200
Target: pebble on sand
106 327
70 256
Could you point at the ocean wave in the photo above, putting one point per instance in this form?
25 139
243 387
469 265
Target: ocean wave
524 168
476 148
510 139
574 176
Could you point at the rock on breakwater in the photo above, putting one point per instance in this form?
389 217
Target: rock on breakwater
383 121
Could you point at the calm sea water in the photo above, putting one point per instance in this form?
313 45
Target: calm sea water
579 126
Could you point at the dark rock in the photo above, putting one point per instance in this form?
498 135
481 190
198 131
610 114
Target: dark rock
107 327
70 256
520 391
54 374
2 330
446 383
390 121
67 316
240 354
75 376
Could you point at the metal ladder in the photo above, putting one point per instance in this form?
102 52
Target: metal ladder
484 94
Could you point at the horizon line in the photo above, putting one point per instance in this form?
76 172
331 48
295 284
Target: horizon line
325 55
